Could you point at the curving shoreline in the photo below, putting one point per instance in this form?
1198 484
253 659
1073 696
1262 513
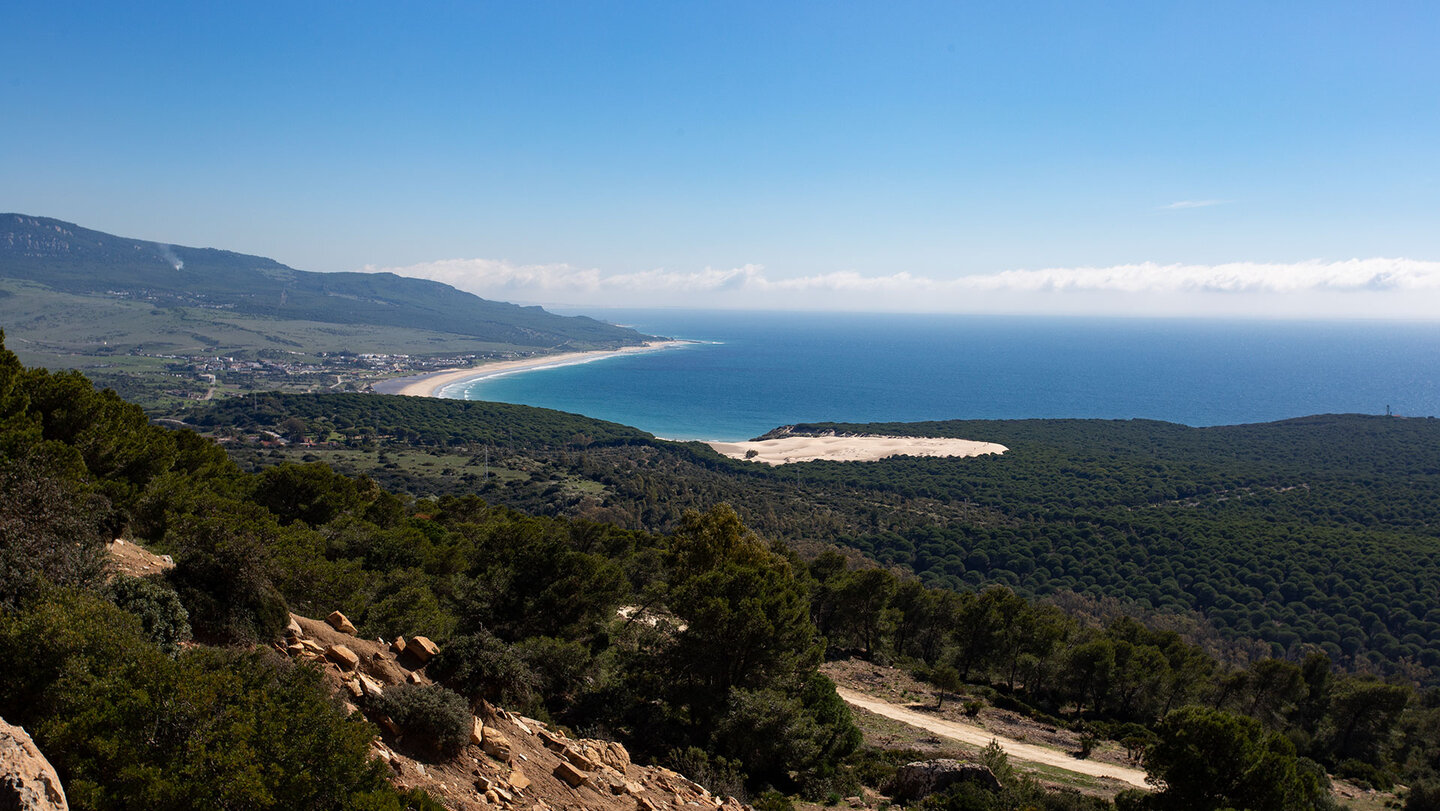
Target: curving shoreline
430 385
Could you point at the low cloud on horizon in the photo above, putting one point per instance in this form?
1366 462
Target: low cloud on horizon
1361 288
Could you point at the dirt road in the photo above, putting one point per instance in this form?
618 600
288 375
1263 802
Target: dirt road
976 736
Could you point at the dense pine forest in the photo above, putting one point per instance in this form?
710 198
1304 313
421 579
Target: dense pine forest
1314 534
1269 591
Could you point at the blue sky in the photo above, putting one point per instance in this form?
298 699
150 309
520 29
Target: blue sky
1156 157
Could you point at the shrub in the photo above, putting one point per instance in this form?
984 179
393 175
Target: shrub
714 772
480 665
433 719
993 757
773 800
158 608
1423 797
223 573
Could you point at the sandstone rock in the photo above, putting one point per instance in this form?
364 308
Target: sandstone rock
342 656
518 780
371 687
644 804
571 775
916 780
27 780
339 622
414 677
552 741
293 630
398 645
422 648
477 731
312 646
615 756
574 756
353 686
495 744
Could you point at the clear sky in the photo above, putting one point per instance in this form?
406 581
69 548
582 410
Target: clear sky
1212 157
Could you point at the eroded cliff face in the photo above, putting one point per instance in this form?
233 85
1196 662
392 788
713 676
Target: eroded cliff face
27 780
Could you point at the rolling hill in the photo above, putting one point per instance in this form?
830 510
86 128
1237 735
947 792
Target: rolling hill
209 284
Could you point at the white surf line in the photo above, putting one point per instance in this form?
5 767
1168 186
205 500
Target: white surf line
980 737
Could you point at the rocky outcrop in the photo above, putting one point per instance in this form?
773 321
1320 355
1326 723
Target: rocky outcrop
27 780
510 762
923 778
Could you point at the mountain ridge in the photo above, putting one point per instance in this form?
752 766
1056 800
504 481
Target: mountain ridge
73 259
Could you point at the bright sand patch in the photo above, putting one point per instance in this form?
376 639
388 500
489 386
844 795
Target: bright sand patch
431 384
851 448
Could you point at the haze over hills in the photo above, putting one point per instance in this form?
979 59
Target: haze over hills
68 259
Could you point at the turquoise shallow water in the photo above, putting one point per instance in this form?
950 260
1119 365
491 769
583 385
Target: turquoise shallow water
751 372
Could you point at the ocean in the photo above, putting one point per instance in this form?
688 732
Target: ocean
749 372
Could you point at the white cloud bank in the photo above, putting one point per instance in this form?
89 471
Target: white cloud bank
1360 288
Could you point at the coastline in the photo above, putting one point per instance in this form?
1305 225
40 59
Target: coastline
431 384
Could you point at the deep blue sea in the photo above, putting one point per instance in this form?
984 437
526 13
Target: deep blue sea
751 372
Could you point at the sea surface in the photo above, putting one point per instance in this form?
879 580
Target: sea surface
749 372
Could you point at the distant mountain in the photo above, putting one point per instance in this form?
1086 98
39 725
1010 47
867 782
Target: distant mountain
76 260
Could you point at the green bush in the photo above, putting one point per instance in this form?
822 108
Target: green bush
433 719
481 666
1423 797
130 728
714 772
773 801
158 608
224 572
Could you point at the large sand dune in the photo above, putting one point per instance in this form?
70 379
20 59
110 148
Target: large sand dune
850 448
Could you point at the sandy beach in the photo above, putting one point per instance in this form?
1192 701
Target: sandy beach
850 448
430 385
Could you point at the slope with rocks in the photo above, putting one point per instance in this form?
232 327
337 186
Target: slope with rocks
510 762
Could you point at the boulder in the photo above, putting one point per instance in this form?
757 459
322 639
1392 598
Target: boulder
552 741
518 780
580 761
916 780
477 731
342 656
572 776
372 688
27 780
293 630
339 622
495 744
615 756
422 648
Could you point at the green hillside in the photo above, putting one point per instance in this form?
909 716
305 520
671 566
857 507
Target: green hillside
72 260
